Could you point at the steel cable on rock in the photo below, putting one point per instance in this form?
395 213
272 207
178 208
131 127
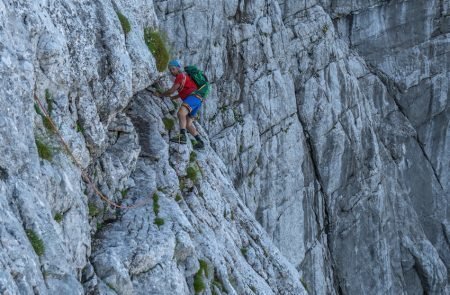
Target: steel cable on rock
84 175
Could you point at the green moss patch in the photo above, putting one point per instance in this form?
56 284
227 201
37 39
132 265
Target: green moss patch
38 109
182 183
93 210
178 198
46 120
159 221
203 266
192 173
36 242
49 100
58 217
126 27
199 285
157 46
48 124
155 204
169 123
79 128
193 156
44 151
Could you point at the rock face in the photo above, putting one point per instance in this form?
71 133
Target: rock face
326 168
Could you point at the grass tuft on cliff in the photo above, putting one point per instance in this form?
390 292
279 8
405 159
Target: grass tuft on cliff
44 151
158 47
126 27
36 242
169 123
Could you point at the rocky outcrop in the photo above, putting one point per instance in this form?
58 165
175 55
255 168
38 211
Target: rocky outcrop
57 235
405 44
207 234
355 163
326 168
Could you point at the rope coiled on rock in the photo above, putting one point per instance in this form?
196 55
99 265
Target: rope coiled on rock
84 175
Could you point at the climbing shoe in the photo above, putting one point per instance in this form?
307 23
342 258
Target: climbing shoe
180 138
198 145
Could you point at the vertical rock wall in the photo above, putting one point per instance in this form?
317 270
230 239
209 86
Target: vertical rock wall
326 167
347 171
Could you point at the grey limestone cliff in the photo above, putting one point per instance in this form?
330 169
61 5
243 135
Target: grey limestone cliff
326 168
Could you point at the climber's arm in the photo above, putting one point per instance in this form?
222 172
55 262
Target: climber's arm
170 91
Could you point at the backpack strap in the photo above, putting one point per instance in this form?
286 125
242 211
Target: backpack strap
198 96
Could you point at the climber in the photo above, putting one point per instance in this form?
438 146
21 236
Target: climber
190 106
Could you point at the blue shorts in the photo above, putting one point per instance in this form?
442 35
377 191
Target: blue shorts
193 104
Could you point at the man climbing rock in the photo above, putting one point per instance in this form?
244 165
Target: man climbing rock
190 106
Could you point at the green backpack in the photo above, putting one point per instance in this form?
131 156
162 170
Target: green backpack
200 80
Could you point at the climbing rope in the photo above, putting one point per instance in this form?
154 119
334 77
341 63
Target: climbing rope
84 175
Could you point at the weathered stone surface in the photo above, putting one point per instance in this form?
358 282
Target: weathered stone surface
356 130
204 220
327 159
